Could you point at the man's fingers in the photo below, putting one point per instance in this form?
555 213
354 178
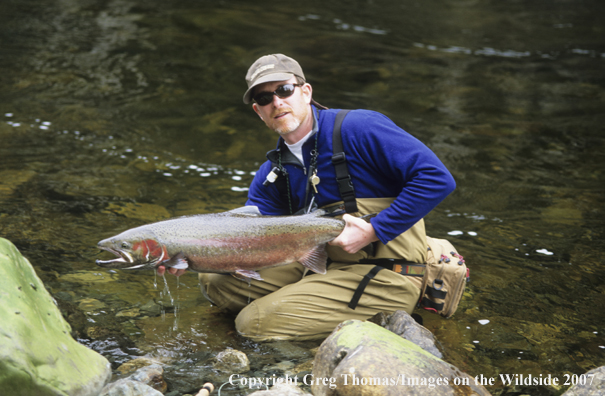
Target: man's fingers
161 270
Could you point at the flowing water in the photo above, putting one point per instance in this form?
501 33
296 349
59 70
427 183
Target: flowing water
118 113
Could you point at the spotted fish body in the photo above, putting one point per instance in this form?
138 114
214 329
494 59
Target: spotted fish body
229 242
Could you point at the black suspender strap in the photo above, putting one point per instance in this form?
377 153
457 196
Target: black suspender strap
339 160
362 286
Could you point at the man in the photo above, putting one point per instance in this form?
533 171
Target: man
392 174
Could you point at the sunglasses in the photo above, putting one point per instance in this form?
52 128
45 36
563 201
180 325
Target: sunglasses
282 92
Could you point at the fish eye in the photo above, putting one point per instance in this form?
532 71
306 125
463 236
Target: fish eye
125 244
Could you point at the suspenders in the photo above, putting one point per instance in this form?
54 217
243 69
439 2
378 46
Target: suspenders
339 160
347 193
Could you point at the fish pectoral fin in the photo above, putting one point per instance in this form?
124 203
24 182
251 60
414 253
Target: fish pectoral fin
177 261
316 259
247 275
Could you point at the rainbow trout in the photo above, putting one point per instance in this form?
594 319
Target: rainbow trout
241 242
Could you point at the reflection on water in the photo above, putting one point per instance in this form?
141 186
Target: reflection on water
115 114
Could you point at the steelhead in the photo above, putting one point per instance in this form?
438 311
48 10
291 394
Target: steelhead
241 241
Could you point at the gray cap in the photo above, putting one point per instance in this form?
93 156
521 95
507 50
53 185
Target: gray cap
269 68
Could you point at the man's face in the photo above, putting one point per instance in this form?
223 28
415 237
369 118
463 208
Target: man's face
286 116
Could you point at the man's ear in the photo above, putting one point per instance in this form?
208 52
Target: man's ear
307 92
255 107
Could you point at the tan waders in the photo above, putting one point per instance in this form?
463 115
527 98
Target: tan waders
286 305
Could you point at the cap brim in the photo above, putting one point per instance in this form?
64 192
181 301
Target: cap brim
268 78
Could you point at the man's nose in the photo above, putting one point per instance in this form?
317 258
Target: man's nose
277 101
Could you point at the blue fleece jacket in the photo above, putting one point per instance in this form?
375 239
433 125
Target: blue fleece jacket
383 160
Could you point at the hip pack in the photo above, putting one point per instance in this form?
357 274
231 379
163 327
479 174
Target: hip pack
444 278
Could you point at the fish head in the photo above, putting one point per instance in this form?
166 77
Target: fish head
132 252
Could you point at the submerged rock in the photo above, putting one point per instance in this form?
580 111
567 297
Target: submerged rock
362 358
38 356
232 361
133 365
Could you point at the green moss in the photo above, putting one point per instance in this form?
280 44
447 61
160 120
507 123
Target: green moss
37 353
355 332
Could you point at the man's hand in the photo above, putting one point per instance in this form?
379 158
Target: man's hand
176 272
356 235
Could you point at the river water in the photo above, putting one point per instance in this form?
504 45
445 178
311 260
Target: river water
117 113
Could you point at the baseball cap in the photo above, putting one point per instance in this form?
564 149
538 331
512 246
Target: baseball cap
268 68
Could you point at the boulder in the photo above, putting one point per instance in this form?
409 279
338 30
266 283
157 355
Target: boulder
38 356
362 358
402 324
590 384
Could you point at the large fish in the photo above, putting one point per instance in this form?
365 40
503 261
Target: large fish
240 242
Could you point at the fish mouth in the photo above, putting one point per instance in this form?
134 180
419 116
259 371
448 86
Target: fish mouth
123 260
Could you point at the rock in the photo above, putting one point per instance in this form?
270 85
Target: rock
146 381
129 387
129 313
594 385
38 356
282 389
362 358
133 365
402 324
232 361
90 305
152 375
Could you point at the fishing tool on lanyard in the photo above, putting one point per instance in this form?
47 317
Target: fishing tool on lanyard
312 178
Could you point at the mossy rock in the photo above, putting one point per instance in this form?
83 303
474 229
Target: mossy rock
38 356
362 358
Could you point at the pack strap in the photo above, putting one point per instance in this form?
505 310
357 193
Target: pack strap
339 160
362 286
432 305
401 266
435 293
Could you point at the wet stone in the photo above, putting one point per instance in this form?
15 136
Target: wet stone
153 376
135 364
129 313
232 361
90 305
151 308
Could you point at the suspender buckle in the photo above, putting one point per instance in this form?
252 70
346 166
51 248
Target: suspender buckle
345 186
339 158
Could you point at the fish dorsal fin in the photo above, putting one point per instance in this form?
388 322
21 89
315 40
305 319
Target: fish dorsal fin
177 261
247 275
246 211
316 259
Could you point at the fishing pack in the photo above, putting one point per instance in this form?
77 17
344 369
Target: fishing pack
444 278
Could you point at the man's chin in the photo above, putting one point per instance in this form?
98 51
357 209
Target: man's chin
287 128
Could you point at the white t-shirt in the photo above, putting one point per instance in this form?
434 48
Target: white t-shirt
296 148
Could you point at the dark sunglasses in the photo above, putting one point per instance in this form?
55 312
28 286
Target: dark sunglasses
282 92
